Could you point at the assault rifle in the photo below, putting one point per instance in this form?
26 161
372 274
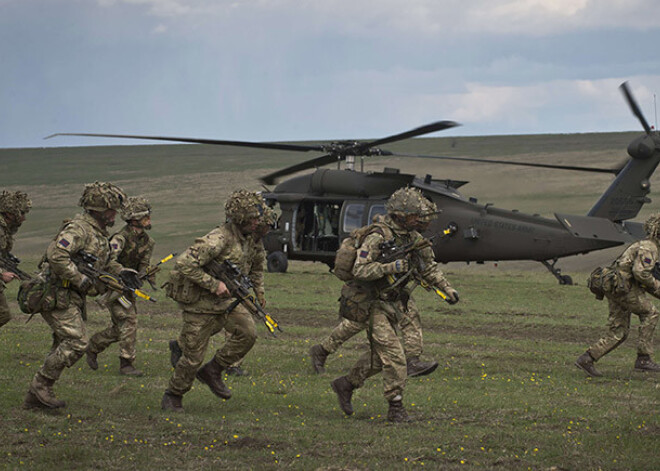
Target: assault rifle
239 286
86 264
391 252
10 263
152 270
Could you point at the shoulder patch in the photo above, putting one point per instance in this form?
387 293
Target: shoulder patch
363 253
114 245
647 261
64 243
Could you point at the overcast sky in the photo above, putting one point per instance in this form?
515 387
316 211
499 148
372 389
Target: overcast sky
281 70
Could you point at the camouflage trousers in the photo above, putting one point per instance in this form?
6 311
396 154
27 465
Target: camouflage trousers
621 307
410 326
123 329
5 315
386 354
194 339
70 337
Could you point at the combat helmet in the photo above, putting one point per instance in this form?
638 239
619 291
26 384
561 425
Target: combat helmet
99 196
410 201
242 206
15 204
652 226
135 207
268 218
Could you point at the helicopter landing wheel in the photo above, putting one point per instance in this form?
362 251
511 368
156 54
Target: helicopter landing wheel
565 280
277 262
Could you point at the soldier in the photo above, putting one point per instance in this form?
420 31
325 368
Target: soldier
204 299
87 232
633 277
371 298
132 248
13 208
266 222
410 326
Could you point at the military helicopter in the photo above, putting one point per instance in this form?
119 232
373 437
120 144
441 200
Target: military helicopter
320 209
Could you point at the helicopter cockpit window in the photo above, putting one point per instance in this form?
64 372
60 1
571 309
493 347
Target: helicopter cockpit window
353 217
375 210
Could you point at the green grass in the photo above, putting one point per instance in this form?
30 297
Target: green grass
506 396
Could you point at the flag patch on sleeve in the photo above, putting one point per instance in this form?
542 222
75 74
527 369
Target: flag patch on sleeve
364 253
114 245
64 243
647 260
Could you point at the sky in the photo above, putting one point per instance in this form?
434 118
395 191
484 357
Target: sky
288 70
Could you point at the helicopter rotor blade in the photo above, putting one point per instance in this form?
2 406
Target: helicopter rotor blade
426 129
317 162
625 89
259 145
614 171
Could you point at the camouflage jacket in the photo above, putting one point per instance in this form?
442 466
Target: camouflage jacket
636 263
6 240
132 249
222 243
368 271
82 233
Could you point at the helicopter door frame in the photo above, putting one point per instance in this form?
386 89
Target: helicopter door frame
315 226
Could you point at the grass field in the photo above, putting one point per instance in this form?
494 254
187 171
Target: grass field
506 396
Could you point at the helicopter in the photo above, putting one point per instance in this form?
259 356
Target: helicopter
320 209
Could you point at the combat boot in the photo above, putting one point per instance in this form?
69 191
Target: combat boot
211 375
126 368
396 412
92 361
175 353
417 367
31 402
644 363
41 389
586 363
318 355
236 371
171 402
344 390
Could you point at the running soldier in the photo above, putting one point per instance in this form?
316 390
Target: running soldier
13 208
410 327
87 233
372 297
205 300
132 248
632 275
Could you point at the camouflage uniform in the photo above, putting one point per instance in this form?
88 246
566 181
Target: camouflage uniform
67 319
131 249
410 326
204 312
634 274
370 298
14 206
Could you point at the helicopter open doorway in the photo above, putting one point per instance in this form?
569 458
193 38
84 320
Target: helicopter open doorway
313 228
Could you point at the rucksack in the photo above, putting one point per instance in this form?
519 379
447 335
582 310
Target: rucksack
347 252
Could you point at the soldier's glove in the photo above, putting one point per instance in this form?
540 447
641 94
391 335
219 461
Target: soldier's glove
130 278
84 285
452 295
397 266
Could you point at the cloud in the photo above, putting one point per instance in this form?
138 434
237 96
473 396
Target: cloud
378 18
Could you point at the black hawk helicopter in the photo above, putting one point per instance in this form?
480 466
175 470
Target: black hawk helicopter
320 209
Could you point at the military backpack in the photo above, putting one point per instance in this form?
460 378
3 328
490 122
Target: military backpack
347 252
